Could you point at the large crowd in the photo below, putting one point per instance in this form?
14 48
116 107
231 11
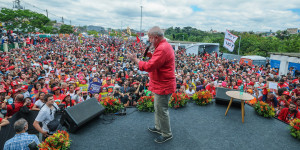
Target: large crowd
66 66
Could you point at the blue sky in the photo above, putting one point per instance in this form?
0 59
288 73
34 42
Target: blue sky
240 15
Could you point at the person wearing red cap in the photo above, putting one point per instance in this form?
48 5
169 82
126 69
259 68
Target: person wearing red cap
58 97
284 100
68 101
109 85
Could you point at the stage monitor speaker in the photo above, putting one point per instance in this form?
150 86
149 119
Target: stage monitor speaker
75 117
223 99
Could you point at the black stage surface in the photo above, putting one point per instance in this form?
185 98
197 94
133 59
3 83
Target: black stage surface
193 127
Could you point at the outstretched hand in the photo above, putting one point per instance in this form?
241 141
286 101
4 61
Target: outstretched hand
132 57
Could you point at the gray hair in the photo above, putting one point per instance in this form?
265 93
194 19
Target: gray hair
20 125
156 31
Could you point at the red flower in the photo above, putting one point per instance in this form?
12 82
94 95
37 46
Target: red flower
152 100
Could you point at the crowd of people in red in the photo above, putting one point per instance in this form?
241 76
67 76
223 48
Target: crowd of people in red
68 66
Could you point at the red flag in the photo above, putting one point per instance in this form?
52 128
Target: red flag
137 39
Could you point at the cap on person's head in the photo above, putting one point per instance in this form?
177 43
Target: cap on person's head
251 83
55 88
52 71
14 78
62 74
77 89
24 87
39 78
82 82
14 91
14 83
108 78
286 93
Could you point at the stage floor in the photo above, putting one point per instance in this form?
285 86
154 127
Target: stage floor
193 127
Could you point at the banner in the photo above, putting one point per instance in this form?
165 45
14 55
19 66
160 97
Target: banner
229 40
95 87
83 87
128 31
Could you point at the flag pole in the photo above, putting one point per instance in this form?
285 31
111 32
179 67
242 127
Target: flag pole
239 44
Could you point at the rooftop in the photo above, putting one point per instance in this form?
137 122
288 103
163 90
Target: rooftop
286 54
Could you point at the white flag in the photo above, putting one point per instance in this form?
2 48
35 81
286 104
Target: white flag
229 40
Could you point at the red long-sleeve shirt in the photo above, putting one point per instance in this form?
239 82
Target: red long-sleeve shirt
161 68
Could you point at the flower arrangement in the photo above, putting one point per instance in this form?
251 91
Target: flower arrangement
264 109
58 141
146 103
178 100
202 97
112 105
295 128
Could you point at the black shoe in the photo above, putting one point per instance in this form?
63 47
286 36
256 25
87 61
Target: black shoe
154 130
162 139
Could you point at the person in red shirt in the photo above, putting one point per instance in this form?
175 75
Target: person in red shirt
15 107
109 85
211 88
296 91
161 68
58 97
68 102
283 84
284 100
28 103
288 114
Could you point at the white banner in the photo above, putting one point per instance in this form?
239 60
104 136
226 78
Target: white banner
229 40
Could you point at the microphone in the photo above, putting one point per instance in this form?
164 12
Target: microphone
147 49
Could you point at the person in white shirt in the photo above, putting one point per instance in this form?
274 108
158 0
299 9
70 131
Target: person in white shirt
46 114
190 92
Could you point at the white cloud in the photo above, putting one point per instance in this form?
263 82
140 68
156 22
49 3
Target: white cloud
240 15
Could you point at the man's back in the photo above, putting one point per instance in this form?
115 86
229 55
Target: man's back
20 142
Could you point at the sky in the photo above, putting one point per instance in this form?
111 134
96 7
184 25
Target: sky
239 15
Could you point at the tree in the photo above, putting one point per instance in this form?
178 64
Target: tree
23 20
66 29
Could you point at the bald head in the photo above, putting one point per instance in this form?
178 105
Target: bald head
156 31
20 98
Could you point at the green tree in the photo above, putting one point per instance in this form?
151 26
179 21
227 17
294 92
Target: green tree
66 29
23 20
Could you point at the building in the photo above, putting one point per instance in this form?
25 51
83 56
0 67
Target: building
293 30
96 28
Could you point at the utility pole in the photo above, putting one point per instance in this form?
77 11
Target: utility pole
141 20
17 4
239 44
47 12
121 25
62 20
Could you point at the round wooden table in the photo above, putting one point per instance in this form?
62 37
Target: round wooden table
243 97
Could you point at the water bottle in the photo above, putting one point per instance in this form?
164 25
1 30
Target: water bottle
241 89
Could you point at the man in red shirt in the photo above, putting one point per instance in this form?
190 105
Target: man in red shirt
288 114
211 88
15 107
161 68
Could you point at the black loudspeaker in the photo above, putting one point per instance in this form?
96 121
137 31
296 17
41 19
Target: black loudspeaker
223 99
75 117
